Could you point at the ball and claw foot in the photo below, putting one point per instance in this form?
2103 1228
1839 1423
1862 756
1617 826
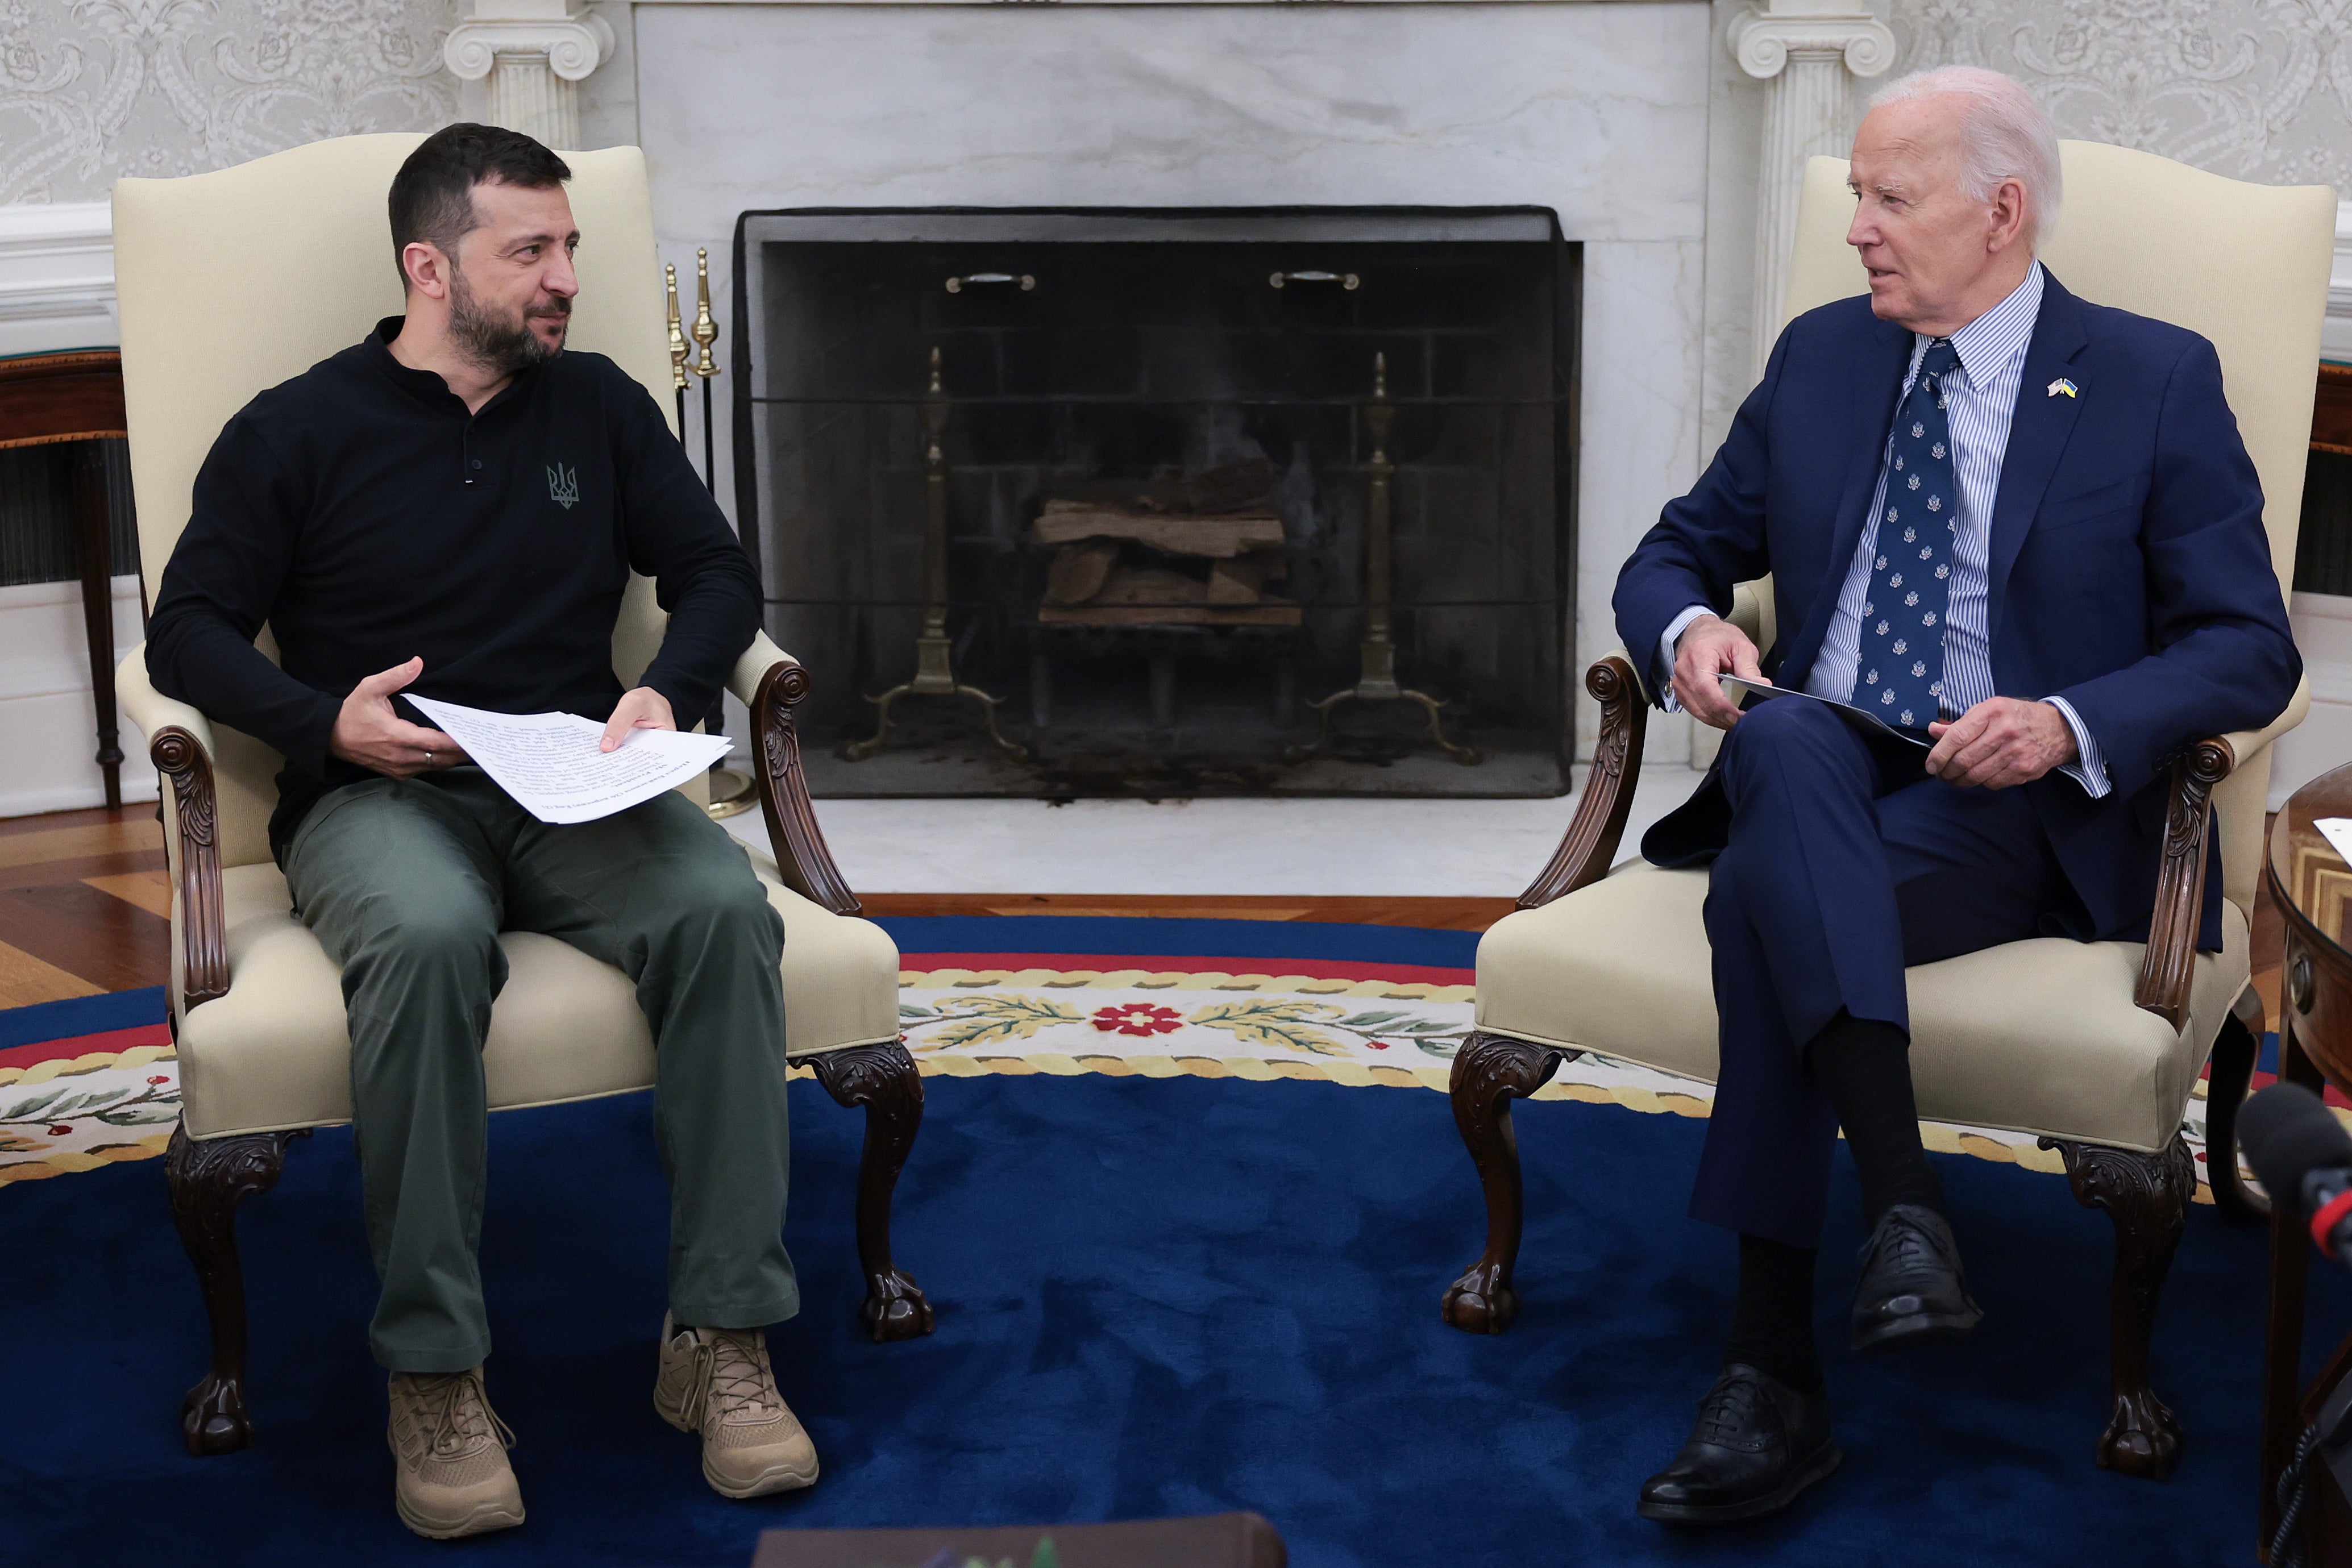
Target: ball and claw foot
895 1308
2142 1438
213 1419
1480 1302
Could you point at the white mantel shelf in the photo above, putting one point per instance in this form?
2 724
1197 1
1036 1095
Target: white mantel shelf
1032 5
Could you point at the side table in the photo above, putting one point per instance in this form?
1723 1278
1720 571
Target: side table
2312 885
68 400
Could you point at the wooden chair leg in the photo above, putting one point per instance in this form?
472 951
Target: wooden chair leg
208 1178
2147 1197
883 1078
2235 1050
1489 1071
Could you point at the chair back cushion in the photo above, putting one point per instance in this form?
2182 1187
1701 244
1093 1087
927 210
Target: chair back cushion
235 281
2246 265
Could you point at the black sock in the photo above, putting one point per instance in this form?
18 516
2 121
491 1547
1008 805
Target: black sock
1772 1327
1864 1066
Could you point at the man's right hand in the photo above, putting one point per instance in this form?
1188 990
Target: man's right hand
1709 648
368 733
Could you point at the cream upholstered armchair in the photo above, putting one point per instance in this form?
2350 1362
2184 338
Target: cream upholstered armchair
230 283
2095 1047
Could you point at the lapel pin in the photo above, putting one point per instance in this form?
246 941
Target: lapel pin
2061 385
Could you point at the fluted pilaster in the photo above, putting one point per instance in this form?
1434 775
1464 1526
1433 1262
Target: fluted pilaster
535 53
1807 51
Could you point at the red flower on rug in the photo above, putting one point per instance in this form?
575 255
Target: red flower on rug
1137 1018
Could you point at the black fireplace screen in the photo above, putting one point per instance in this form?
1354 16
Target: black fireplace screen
1165 502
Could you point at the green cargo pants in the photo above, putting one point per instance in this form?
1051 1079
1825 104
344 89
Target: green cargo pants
407 883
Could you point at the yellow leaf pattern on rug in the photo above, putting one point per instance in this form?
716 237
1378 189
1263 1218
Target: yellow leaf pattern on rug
1281 1022
974 1021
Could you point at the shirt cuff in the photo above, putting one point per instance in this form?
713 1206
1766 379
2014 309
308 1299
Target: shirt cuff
1675 628
2089 768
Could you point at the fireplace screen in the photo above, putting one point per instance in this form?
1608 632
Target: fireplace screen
1165 502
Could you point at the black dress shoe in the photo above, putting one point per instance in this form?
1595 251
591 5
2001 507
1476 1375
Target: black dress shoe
1913 1288
1758 1444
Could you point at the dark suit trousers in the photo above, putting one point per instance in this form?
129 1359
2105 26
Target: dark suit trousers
1846 864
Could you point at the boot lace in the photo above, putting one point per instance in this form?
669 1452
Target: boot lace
730 1377
454 1415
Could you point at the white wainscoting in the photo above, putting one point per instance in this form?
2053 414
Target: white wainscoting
49 730
2323 630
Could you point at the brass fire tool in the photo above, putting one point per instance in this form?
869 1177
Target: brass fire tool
934 671
678 350
733 792
1377 682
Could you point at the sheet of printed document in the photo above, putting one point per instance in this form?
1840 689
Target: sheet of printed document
549 762
2337 831
1735 687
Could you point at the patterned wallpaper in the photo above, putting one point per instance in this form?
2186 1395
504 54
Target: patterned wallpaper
94 90
2257 90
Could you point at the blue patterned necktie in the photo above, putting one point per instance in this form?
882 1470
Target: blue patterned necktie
1902 672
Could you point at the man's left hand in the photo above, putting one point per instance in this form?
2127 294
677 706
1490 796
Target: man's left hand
2000 742
643 708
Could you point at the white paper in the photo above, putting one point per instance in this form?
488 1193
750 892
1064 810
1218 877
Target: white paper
2338 831
1861 718
549 762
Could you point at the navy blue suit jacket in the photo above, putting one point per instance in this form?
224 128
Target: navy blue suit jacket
2129 571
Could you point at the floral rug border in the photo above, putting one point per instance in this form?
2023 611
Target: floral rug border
1136 1022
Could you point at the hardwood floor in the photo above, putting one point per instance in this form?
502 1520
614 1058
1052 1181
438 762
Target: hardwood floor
84 904
85 907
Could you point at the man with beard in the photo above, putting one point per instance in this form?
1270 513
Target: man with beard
454 506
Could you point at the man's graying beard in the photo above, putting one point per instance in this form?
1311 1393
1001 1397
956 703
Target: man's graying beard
504 346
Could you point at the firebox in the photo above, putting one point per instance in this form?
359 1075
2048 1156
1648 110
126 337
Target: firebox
1075 502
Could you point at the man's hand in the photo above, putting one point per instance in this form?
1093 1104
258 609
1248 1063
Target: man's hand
368 733
643 708
2000 742
1709 648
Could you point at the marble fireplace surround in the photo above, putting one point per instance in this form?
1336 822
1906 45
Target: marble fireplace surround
1595 110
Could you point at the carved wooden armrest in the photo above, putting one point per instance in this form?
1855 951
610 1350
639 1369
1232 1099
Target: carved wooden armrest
771 684
1590 844
2170 962
185 759
180 743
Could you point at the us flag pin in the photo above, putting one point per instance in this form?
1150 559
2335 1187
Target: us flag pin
2061 385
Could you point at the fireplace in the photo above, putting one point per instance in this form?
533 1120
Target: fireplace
1072 502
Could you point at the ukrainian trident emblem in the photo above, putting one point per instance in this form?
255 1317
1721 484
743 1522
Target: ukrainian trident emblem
564 486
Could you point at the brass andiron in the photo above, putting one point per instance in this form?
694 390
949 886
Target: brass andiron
934 672
1377 682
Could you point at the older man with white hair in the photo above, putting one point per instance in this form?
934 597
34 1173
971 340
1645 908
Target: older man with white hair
2020 531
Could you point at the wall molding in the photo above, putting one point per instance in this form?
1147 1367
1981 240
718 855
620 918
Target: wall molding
56 276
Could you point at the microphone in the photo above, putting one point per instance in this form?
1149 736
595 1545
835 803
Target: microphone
2304 1158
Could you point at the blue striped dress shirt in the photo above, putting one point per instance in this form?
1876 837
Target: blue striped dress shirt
1980 402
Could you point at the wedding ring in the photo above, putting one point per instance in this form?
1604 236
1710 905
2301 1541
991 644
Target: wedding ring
428 755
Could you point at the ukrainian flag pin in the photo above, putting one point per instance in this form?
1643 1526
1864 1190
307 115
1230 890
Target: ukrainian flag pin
2061 385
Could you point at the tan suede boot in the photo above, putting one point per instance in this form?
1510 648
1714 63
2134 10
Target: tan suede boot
718 1382
450 1450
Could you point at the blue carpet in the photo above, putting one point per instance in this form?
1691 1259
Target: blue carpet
1155 1297
45 1021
